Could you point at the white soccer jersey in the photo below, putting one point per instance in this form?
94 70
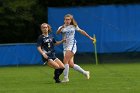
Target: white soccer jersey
69 33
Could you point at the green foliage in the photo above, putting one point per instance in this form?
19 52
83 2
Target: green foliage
21 9
18 21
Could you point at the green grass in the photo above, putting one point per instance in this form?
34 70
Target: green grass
105 78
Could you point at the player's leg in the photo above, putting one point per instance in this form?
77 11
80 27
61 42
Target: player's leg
54 65
67 56
78 68
61 66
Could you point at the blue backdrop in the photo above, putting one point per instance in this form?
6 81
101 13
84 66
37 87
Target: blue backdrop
117 28
19 54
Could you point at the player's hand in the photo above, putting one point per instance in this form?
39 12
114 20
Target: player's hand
93 39
64 40
45 56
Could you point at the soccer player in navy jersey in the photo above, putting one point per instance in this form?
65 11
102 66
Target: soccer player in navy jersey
45 45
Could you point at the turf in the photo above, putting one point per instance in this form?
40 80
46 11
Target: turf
105 78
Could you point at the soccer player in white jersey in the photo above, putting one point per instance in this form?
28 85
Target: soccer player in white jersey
68 32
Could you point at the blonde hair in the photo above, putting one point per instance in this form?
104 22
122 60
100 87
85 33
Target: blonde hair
49 27
73 22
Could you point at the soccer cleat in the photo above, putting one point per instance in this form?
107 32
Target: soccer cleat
57 80
87 74
65 80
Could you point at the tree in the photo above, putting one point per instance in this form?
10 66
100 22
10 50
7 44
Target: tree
19 20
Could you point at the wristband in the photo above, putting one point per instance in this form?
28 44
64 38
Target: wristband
43 53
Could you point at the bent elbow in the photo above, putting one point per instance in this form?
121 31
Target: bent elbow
57 32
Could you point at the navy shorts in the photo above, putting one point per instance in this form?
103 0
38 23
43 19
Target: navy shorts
50 56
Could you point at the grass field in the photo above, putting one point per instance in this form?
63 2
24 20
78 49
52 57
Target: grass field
105 78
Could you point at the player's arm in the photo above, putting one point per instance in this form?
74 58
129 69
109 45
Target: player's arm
59 42
85 34
60 29
41 52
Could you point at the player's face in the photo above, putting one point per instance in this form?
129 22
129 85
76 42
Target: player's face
44 28
67 20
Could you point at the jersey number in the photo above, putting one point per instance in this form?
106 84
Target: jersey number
49 45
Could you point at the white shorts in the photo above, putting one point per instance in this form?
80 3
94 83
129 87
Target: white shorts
72 48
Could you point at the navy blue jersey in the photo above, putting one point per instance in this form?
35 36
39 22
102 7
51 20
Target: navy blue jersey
46 43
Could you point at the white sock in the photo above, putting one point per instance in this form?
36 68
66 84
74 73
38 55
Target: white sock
66 71
79 69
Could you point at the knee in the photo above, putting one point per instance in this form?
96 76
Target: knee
62 67
65 60
71 65
57 67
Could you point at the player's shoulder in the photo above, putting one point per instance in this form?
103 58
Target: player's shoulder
74 26
71 25
50 36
